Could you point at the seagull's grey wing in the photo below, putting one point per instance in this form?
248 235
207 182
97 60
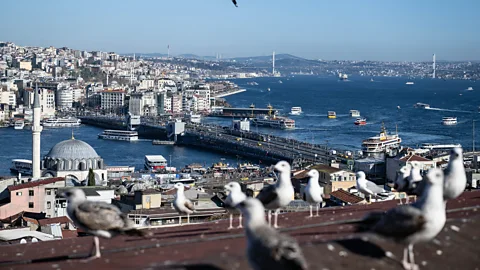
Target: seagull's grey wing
400 222
100 216
189 205
272 250
374 188
267 195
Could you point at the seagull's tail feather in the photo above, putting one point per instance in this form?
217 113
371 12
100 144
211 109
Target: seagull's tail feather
368 221
135 232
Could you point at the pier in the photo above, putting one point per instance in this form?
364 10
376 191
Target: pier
255 146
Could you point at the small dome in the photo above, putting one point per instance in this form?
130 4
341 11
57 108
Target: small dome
72 149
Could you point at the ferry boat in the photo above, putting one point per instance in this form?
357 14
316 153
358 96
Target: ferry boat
62 122
437 146
382 143
449 121
252 83
360 122
409 83
470 88
422 105
155 162
248 166
274 122
23 166
332 114
354 113
194 118
19 124
296 111
119 135
342 77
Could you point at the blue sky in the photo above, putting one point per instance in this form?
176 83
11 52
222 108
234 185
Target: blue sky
406 30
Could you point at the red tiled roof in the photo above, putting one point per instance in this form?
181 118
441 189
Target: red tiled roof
54 220
414 158
36 183
69 233
346 196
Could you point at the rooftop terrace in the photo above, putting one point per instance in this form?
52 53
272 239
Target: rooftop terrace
327 241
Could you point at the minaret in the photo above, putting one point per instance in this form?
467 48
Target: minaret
434 67
273 63
36 130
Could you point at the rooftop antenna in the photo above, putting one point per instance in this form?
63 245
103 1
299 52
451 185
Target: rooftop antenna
168 51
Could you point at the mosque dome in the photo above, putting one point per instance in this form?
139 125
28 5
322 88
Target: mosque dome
72 149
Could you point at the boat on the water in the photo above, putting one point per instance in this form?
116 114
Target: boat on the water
342 76
422 105
332 114
383 143
360 122
119 135
437 146
62 122
296 111
19 124
470 88
409 83
194 118
449 121
280 81
354 113
274 121
155 162
252 83
23 166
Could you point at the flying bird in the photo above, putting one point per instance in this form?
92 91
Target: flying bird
455 176
234 2
97 218
266 247
182 204
369 188
234 197
274 197
414 223
313 191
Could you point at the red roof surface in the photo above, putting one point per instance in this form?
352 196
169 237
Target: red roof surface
328 242
54 220
346 196
36 183
415 158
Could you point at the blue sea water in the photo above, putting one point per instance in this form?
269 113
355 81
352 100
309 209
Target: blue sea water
377 101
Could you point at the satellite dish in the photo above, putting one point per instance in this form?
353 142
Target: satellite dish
23 241
34 240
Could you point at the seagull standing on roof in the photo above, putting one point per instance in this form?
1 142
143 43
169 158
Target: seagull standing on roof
401 182
97 218
267 248
455 176
369 188
415 223
313 191
182 204
234 197
274 197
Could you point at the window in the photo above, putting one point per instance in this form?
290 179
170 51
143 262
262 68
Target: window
19 193
49 205
49 191
30 193
30 205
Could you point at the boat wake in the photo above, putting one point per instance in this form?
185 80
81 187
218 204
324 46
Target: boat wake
447 110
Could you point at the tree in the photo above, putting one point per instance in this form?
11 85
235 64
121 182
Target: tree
91 177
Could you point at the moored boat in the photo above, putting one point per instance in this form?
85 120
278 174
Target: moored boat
19 124
23 166
62 122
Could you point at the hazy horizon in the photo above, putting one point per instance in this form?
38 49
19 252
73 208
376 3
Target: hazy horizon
350 30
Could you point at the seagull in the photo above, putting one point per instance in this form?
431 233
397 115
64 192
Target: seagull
235 2
414 223
235 196
279 195
455 176
267 248
182 204
313 191
369 188
97 218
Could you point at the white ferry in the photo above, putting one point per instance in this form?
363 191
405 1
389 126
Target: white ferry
19 124
194 118
436 146
119 135
354 113
274 122
296 111
342 77
422 105
449 121
409 83
382 143
62 122
155 162
23 166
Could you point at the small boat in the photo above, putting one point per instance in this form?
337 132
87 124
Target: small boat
360 122
268 89
119 135
409 83
252 83
23 166
354 113
332 114
342 77
470 88
449 121
19 124
398 107
371 80
280 81
296 111
422 105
